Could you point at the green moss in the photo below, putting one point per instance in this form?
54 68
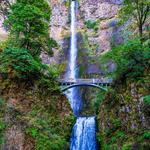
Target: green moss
50 133
41 116
67 3
2 123
126 147
118 136
2 129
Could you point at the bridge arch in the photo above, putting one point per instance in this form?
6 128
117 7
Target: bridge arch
79 85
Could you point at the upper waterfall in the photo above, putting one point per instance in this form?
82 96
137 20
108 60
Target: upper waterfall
72 71
73 44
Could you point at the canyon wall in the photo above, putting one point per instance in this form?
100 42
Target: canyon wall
97 25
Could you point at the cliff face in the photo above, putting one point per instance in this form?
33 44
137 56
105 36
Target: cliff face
32 117
96 24
3 33
123 117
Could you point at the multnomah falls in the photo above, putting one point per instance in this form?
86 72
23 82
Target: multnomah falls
74 74
84 131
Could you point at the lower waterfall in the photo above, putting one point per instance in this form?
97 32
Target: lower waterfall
84 134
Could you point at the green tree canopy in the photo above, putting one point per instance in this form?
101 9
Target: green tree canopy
138 9
132 59
28 21
19 63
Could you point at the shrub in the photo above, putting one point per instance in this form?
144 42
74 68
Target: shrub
19 63
146 135
91 24
147 99
127 147
131 59
48 130
117 136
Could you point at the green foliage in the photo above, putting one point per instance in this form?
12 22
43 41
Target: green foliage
48 130
48 83
1 105
2 128
46 140
67 3
19 63
28 22
98 100
127 147
117 136
132 8
138 9
3 45
2 123
147 99
116 123
100 138
131 59
146 135
91 24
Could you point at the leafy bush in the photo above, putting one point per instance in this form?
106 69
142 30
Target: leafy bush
44 140
19 63
91 24
131 59
146 135
117 136
147 99
49 131
116 123
127 147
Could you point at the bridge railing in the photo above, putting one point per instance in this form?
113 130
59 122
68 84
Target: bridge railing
89 81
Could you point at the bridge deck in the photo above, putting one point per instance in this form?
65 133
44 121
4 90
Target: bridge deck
85 81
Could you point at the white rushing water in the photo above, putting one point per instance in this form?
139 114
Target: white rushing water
74 51
72 72
83 133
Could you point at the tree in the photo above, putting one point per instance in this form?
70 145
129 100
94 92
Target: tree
19 63
132 59
4 7
139 10
29 26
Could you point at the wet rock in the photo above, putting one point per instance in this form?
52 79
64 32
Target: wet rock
93 69
15 139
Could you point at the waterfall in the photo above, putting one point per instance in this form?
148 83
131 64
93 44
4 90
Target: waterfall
73 52
83 135
84 131
72 72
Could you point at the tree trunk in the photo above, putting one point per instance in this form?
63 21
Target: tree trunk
141 32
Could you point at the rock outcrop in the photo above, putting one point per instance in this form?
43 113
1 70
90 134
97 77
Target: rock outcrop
100 38
123 123
32 117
